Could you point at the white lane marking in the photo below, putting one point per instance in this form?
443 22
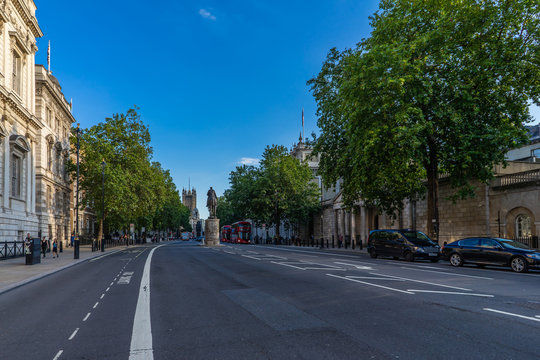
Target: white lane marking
373 278
423 282
101 257
101 297
86 317
296 267
359 267
538 316
74 333
370 284
58 355
141 336
308 252
96 304
447 273
511 314
107 289
111 284
450 293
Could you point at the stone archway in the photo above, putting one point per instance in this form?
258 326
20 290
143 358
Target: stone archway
519 214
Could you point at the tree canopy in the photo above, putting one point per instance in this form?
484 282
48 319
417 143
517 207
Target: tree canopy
136 190
440 87
280 188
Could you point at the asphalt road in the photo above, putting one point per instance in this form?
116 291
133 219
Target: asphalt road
184 301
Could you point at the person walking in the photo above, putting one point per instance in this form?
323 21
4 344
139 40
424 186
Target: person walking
44 246
55 248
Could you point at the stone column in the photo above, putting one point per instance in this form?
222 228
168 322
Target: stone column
7 165
211 232
353 228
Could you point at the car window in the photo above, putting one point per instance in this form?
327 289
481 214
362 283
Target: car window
418 238
488 243
469 242
512 244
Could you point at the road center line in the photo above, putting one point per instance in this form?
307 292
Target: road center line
108 288
422 282
58 355
511 314
96 304
74 333
370 284
101 297
86 317
141 336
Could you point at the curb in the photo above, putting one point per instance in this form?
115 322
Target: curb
41 276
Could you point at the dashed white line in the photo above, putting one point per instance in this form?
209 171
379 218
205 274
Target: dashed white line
101 297
74 333
111 284
86 317
58 355
511 314
370 284
108 289
449 293
96 304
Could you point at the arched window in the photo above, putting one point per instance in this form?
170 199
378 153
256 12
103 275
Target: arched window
523 226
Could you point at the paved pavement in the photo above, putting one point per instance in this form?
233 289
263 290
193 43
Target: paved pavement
14 272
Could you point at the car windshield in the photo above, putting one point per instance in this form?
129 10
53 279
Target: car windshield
418 238
512 244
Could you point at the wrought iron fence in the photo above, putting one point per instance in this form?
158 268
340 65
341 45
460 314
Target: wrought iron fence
530 241
11 249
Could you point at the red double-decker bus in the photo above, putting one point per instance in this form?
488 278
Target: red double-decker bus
241 232
226 233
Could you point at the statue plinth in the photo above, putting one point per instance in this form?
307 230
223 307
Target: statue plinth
211 232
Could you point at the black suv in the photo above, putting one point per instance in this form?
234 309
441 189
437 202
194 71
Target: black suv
407 244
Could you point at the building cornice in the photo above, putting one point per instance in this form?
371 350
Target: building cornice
27 17
14 102
60 99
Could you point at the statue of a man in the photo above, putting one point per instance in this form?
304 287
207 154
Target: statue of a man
211 203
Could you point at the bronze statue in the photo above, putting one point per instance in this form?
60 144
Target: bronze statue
211 203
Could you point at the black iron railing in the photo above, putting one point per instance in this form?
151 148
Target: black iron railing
530 241
11 249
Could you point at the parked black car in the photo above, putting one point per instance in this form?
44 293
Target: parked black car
491 251
407 244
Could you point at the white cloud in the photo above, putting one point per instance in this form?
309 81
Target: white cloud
207 14
248 161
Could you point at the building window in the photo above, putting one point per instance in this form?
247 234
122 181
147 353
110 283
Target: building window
16 163
16 73
523 226
49 117
49 195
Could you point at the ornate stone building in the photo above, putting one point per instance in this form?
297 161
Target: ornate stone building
19 127
53 192
189 199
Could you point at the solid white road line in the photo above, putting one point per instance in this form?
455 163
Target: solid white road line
538 316
423 282
370 284
58 355
359 267
141 336
86 317
74 333
296 267
374 278
447 273
96 304
101 257
449 293
511 314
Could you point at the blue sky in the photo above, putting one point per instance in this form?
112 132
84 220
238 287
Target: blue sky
215 81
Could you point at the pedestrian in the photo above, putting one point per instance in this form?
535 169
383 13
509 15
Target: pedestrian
55 248
44 246
72 239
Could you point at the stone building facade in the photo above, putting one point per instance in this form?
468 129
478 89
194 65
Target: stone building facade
19 126
189 199
53 188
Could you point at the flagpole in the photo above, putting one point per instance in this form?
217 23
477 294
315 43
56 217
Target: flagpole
303 133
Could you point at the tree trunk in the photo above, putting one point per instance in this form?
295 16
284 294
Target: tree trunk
433 194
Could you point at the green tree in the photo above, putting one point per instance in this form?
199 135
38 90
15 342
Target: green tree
280 188
440 87
225 210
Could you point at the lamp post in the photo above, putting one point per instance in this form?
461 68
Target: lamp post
103 164
77 241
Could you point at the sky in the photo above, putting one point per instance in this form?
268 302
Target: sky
216 81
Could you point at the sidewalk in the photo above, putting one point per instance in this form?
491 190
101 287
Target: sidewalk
14 272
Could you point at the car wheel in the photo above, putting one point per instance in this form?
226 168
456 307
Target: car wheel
409 256
373 254
519 264
456 259
434 260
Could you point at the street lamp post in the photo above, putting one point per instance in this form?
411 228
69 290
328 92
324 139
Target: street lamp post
103 205
77 241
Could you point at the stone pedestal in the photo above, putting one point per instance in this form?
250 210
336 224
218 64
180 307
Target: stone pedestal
211 232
